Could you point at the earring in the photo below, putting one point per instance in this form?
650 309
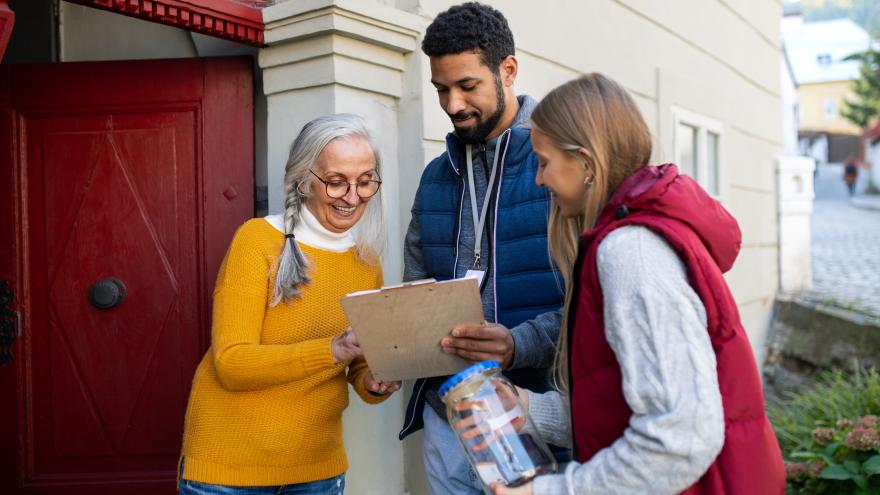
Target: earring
588 178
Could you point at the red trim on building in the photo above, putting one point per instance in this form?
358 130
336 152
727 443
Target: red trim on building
7 20
227 19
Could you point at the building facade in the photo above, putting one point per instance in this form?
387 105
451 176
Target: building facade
706 75
817 53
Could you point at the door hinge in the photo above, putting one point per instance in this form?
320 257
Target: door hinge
9 329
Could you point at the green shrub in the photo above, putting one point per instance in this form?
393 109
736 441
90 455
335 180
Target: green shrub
830 435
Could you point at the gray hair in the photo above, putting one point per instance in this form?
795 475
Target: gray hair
369 232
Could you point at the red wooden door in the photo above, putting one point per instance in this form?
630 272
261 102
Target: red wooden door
136 171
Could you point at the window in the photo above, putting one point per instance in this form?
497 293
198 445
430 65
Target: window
698 149
686 148
830 106
712 166
823 59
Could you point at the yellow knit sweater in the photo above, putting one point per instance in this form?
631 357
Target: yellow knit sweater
266 402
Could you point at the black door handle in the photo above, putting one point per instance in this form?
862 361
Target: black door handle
107 293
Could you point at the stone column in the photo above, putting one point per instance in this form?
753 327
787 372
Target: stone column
794 175
357 56
332 56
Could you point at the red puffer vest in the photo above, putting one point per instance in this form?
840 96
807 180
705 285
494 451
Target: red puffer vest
707 239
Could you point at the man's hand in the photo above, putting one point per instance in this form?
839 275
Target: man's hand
345 348
474 343
379 387
499 489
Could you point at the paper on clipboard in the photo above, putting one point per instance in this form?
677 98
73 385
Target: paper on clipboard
399 328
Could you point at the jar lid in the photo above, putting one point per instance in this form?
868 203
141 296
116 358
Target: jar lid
467 373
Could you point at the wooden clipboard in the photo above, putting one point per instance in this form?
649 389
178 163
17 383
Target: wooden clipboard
399 328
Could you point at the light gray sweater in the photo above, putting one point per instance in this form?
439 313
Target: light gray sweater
656 325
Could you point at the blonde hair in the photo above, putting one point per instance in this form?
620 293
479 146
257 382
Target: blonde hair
595 113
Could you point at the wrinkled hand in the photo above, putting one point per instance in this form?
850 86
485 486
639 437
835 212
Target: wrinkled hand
378 386
480 343
499 489
345 347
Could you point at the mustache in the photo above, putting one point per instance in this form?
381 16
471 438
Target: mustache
462 116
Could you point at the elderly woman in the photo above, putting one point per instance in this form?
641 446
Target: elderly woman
265 411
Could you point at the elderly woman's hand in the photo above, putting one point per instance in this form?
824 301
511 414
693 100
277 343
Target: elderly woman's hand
378 386
345 347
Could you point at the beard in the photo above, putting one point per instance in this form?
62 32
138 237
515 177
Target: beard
478 132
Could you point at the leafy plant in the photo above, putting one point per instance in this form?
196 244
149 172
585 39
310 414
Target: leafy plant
830 434
866 106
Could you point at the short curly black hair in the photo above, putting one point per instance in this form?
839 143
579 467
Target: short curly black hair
470 27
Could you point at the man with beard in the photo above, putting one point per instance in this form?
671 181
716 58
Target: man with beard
479 213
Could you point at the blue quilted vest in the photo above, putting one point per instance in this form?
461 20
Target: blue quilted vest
526 284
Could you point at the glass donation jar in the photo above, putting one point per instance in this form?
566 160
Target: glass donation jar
485 412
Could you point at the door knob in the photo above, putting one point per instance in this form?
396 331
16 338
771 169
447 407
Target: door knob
107 293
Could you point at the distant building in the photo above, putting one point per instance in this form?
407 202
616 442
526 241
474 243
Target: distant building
788 92
816 53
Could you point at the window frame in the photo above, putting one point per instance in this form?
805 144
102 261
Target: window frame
832 105
704 125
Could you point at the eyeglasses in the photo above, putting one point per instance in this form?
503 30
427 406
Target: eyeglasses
364 188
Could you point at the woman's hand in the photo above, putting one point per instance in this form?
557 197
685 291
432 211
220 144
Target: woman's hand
523 396
483 420
345 347
499 489
378 386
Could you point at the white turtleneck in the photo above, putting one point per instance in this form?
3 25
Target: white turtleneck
309 231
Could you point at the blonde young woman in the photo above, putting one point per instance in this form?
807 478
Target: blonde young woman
653 361
265 411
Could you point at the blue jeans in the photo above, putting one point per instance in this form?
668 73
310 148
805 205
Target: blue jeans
330 486
446 463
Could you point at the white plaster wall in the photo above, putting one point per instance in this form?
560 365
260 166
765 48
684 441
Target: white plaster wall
93 34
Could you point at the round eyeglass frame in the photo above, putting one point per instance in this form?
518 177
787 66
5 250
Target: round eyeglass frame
348 186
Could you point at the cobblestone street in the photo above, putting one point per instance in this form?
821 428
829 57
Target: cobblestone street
845 245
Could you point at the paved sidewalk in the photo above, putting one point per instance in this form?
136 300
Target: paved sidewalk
845 244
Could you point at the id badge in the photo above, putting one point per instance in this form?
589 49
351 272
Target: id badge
477 274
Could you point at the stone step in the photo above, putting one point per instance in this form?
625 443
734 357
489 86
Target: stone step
807 337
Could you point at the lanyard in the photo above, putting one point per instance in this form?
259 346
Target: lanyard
480 218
